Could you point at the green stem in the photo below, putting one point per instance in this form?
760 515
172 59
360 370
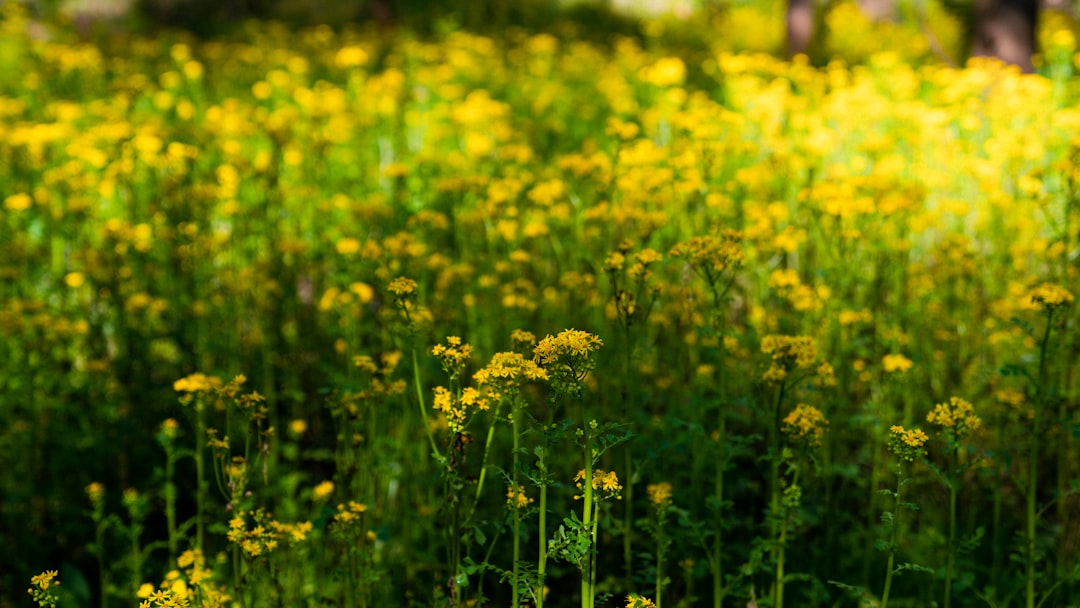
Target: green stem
717 557
484 461
1033 465
200 475
660 566
541 565
420 402
237 580
170 501
593 560
515 424
103 572
774 479
587 515
541 568
628 463
892 536
951 559
721 466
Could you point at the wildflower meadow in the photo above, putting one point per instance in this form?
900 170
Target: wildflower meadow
336 316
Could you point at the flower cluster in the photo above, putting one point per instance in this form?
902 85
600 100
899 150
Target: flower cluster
172 593
506 372
566 357
459 408
659 493
791 353
265 534
639 601
347 513
453 355
42 587
805 425
516 499
956 417
402 288
895 363
197 383
1049 297
906 444
604 482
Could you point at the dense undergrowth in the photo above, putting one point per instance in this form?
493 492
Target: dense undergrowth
285 323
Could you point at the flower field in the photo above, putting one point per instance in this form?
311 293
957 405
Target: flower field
344 318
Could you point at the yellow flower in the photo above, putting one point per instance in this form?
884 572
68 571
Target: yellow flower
896 363
569 342
659 493
636 601
322 491
517 499
402 287
1050 296
95 492
18 202
453 355
957 417
74 280
605 482
906 444
44 580
348 246
195 383
805 424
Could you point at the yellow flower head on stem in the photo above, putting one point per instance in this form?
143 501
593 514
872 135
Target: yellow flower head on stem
805 425
906 444
956 418
659 493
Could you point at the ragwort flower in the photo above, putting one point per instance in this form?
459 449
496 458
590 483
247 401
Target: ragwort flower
906 444
956 418
805 425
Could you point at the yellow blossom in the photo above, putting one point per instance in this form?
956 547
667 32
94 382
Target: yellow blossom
322 491
896 363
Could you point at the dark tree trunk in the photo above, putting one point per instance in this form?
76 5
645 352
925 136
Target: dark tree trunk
800 26
1005 29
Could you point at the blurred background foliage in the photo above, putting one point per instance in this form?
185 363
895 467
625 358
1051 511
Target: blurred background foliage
943 31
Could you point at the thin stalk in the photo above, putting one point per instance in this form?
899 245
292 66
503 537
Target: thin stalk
717 549
515 425
892 536
592 563
103 572
774 479
484 461
875 480
541 566
587 514
420 402
781 549
200 475
350 578
628 463
1033 465
237 580
951 560
998 552
659 573
721 466
170 501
